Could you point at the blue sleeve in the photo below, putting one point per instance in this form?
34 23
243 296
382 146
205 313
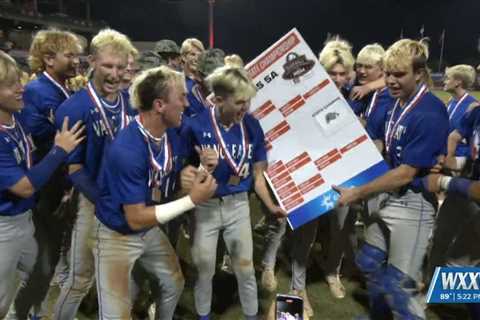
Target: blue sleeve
129 178
426 140
10 171
259 151
468 121
358 106
74 113
187 138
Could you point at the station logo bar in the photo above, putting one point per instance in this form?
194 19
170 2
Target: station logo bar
455 285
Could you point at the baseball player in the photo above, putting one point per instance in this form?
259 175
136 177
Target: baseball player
169 51
458 79
131 70
239 141
105 110
20 179
398 229
54 57
139 177
190 50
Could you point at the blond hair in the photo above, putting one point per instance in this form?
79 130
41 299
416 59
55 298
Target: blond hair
227 81
463 73
337 51
189 44
152 84
114 40
8 67
371 54
234 60
50 42
407 53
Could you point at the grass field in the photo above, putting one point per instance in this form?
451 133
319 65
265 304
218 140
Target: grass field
226 304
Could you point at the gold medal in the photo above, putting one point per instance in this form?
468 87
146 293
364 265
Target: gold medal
234 180
156 195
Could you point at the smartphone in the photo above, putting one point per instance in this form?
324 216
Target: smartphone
288 307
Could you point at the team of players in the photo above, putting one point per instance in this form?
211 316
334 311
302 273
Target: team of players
130 162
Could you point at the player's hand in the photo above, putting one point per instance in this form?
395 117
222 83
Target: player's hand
347 195
439 166
450 163
208 158
359 92
68 139
431 182
203 187
187 176
278 212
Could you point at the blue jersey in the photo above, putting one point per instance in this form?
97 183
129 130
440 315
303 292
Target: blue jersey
42 97
98 131
130 176
245 141
469 129
456 109
376 113
15 161
417 133
197 102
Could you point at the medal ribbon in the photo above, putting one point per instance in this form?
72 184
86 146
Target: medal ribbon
454 109
392 125
101 110
373 103
58 85
228 157
198 94
167 149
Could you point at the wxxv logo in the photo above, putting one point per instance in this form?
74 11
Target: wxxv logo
455 285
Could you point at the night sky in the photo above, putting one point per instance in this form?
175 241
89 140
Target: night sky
247 27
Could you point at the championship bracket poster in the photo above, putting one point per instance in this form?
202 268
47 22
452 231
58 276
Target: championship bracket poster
313 138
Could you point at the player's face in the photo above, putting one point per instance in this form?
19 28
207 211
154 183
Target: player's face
64 64
402 83
130 72
368 72
109 69
11 92
191 58
175 63
339 75
234 108
450 84
174 105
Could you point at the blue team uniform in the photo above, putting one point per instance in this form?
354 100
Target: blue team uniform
13 166
81 107
469 128
42 97
196 102
129 173
199 131
420 136
456 109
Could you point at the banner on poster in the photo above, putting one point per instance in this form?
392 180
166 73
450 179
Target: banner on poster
313 138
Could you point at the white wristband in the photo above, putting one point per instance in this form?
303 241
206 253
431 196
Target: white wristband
170 210
443 182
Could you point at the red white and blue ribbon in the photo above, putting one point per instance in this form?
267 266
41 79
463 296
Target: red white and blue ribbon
228 156
166 167
452 111
392 125
98 105
58 85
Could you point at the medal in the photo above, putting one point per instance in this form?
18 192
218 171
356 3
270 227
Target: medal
156 194
235 178
98 105
392 125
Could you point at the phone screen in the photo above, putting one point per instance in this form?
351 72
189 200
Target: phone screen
289 308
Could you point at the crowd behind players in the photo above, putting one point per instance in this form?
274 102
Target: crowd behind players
102 172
